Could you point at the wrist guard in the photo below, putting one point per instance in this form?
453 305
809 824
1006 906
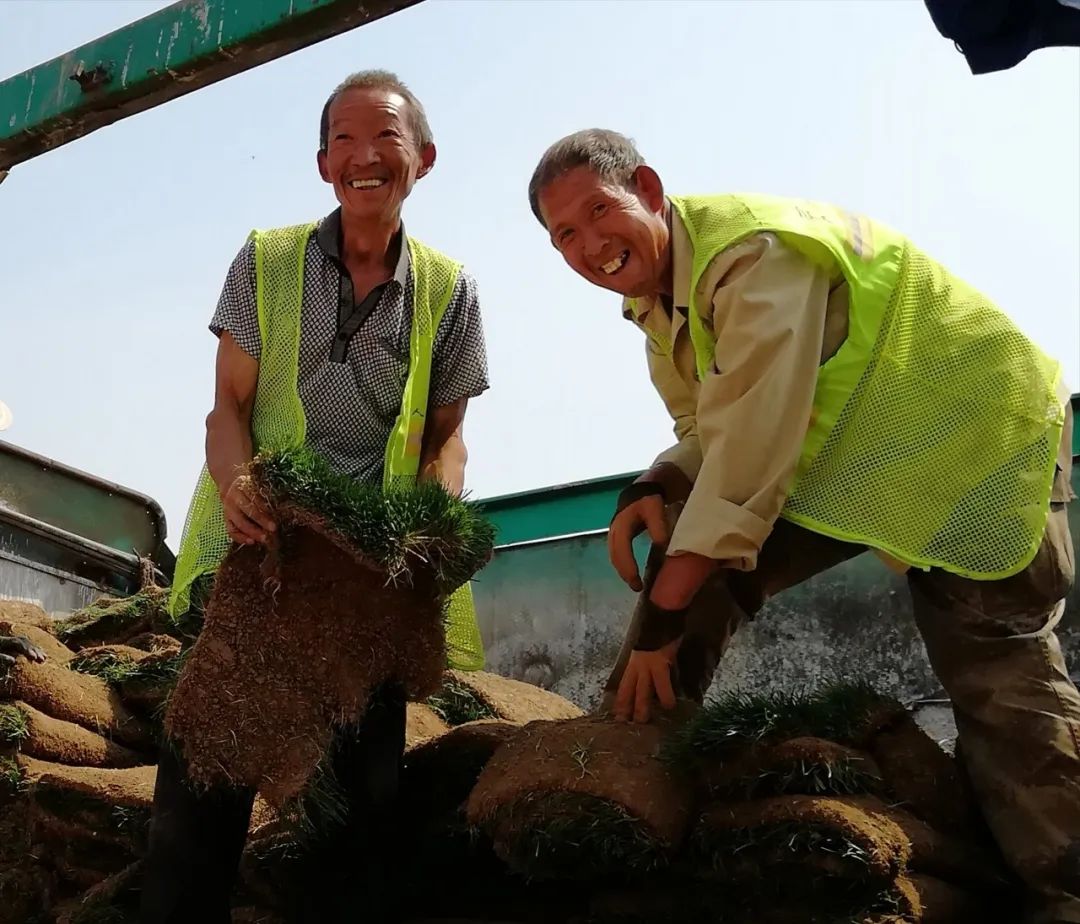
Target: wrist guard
660 627
636 492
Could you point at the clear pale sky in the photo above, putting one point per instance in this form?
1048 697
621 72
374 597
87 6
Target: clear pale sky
114 247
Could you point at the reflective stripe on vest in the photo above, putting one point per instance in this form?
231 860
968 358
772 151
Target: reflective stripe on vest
935 426
278 420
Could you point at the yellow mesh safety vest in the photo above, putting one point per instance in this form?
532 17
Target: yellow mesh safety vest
278 422
935 427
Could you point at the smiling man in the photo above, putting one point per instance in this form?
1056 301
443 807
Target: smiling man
834 390
350 336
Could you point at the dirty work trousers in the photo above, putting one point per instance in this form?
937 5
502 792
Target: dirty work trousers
196 837
994 649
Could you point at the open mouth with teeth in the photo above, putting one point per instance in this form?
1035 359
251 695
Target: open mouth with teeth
613 266
372 183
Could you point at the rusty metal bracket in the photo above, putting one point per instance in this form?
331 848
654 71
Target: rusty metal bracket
92 79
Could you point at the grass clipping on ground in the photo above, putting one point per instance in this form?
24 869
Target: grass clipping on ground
296 638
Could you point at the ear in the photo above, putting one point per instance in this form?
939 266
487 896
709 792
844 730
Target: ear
324 171
649 188
427 160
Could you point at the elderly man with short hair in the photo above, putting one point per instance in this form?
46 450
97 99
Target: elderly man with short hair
835 390
365 344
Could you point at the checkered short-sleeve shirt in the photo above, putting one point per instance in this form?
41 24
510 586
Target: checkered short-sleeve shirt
351 386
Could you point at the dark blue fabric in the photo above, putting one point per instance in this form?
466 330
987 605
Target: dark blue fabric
995 35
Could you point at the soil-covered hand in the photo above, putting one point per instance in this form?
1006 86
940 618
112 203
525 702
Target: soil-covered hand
246 519
647 676
14 646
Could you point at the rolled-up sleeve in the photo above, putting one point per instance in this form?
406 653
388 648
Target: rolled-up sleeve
768 306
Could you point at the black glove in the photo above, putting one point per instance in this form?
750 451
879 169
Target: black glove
14 645
660 627
635 492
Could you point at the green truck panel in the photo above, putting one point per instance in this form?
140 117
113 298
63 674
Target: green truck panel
181 48
586 506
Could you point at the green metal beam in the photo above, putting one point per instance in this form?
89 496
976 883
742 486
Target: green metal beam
562 510
184 47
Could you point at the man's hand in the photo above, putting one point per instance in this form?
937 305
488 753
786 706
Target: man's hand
648 674
228 442
443 456
12 646
647 513
642 506
246 519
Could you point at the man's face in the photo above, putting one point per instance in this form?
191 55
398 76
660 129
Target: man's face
616 238
372 157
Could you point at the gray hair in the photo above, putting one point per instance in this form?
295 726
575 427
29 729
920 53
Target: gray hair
611 156
380 80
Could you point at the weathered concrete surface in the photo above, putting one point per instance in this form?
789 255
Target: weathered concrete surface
554 614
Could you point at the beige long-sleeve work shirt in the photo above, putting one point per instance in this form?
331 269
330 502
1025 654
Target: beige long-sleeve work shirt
777 317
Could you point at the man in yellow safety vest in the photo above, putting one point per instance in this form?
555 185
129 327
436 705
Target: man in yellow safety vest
356 339
834 391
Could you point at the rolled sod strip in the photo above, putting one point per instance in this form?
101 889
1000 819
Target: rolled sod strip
467 696
580 798
296 640
798 766
85 700
46 738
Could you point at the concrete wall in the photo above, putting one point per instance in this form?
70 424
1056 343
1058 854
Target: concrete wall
553 613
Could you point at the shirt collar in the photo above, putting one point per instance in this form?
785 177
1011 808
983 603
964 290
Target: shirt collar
328 237
682 259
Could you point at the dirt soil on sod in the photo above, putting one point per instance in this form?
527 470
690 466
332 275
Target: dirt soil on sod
422 724
277 664
27 614
800 766
154 643
99 657
925 900
807 841
26 889
132 787
924 778
512 700
93 824
147 689
113 620
109 902
85 863
67 743
591 794
934 852
801 838
73 697
439 774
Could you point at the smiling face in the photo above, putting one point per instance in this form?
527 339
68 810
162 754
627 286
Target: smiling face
615 237
372 156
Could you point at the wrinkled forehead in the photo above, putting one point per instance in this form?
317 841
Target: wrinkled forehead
564 197
368 103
